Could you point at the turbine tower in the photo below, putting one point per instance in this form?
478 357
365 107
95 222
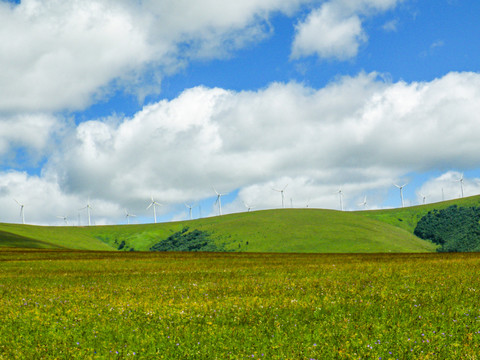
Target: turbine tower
461 183
189 207
88 207
249 207
424 198
154 204
22 212
340 195
128 216
281 192
401 192
219 200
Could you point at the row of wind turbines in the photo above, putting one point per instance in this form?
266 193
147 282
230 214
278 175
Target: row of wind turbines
400 187
218 202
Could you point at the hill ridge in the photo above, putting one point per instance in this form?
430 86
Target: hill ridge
277 230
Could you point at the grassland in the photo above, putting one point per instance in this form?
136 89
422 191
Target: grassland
407 218
284 230
122 305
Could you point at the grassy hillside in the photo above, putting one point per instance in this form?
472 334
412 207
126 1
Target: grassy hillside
49 237
284 230
407 218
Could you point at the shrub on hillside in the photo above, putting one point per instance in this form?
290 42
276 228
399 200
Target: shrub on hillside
456 229
186 240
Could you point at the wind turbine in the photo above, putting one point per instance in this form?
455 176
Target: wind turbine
364 203
249 207
461 183
64 219
340 195
281 192
189 207
128 216
219 200
154 204
88 207
22 212
424 198
401 192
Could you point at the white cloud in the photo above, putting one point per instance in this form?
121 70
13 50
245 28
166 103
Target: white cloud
335 29
447 186
329 34
359 134
44 201
390 26
60 55
31 132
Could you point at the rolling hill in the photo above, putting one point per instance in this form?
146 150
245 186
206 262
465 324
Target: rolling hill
281 230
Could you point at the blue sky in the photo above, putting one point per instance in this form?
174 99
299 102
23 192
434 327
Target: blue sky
116 102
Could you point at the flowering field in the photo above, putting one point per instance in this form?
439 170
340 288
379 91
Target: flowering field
117 305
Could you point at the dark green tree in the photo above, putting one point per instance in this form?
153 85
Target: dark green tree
456 229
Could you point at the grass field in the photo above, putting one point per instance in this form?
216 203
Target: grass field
122 305
284 230
281 230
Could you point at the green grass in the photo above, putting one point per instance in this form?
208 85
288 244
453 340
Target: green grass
407 218
117 305
49 237
284 230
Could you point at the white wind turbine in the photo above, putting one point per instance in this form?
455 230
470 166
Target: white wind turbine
401 192
65 219
340 195
249 207
364 203
189 207
22 211
219 200
424 198
88 207
461 183
281 192
128 216
154 204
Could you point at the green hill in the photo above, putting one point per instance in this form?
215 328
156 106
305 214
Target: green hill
281 230
49 237
407 218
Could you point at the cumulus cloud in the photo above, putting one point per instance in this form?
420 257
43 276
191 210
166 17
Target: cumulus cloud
334 30
358 133
31 132
447 186
60 55
44 202
57 55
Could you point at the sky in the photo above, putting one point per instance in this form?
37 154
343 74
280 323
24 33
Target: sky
112 103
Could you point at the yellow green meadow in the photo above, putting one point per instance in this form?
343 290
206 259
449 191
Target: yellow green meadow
132 305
